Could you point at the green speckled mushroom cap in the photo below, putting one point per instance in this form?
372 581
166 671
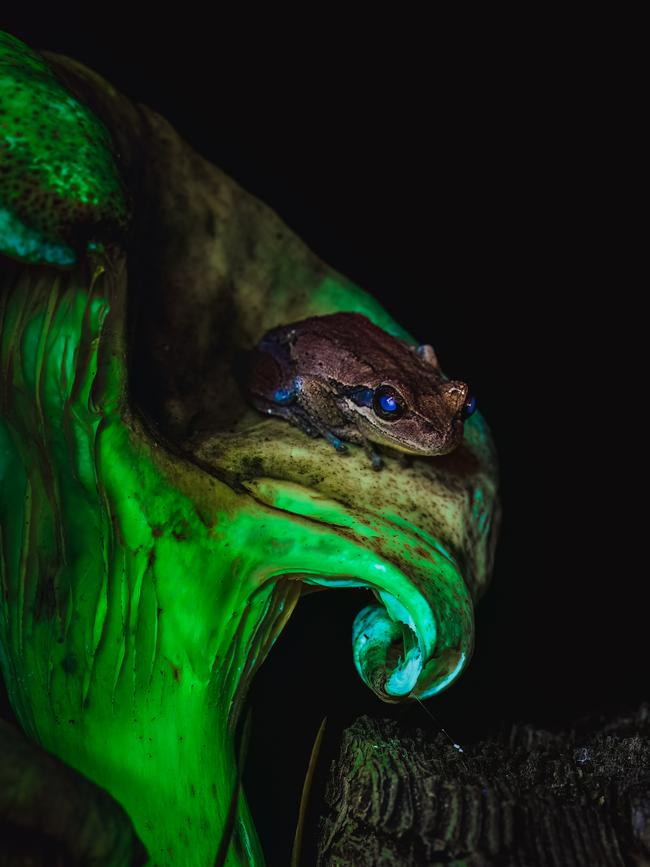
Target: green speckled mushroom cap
60 188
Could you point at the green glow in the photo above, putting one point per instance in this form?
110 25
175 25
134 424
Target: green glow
21 242
337 293
139 592
58 179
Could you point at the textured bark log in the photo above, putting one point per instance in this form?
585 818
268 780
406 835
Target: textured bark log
579 797
52 816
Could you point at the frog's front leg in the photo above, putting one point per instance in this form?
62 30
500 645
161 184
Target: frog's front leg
313 398
301 419
298 417
325 413
355 436
293 402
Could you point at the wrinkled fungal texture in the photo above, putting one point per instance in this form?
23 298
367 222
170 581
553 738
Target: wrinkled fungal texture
141 588
58 179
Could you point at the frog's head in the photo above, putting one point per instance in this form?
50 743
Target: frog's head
425 422
414 408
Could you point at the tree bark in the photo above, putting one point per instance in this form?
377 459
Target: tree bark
532 797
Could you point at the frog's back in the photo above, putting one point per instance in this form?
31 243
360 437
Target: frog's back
348 348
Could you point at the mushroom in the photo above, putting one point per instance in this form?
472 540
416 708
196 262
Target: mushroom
155 532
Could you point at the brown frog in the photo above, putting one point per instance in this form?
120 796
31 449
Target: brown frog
343 378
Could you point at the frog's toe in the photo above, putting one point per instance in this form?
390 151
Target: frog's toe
336 442
373 456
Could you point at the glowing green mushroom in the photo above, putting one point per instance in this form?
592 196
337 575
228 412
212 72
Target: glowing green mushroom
144 572
60 187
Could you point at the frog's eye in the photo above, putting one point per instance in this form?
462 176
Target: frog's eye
388 403
470 406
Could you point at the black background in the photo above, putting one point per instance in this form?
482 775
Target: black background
471 184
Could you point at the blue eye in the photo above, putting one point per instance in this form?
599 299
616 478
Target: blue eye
470 406
387 403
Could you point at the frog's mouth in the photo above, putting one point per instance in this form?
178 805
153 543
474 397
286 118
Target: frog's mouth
413 434
418 637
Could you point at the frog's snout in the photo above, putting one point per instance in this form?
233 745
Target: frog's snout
455 395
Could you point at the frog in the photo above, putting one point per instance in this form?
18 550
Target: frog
341 377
